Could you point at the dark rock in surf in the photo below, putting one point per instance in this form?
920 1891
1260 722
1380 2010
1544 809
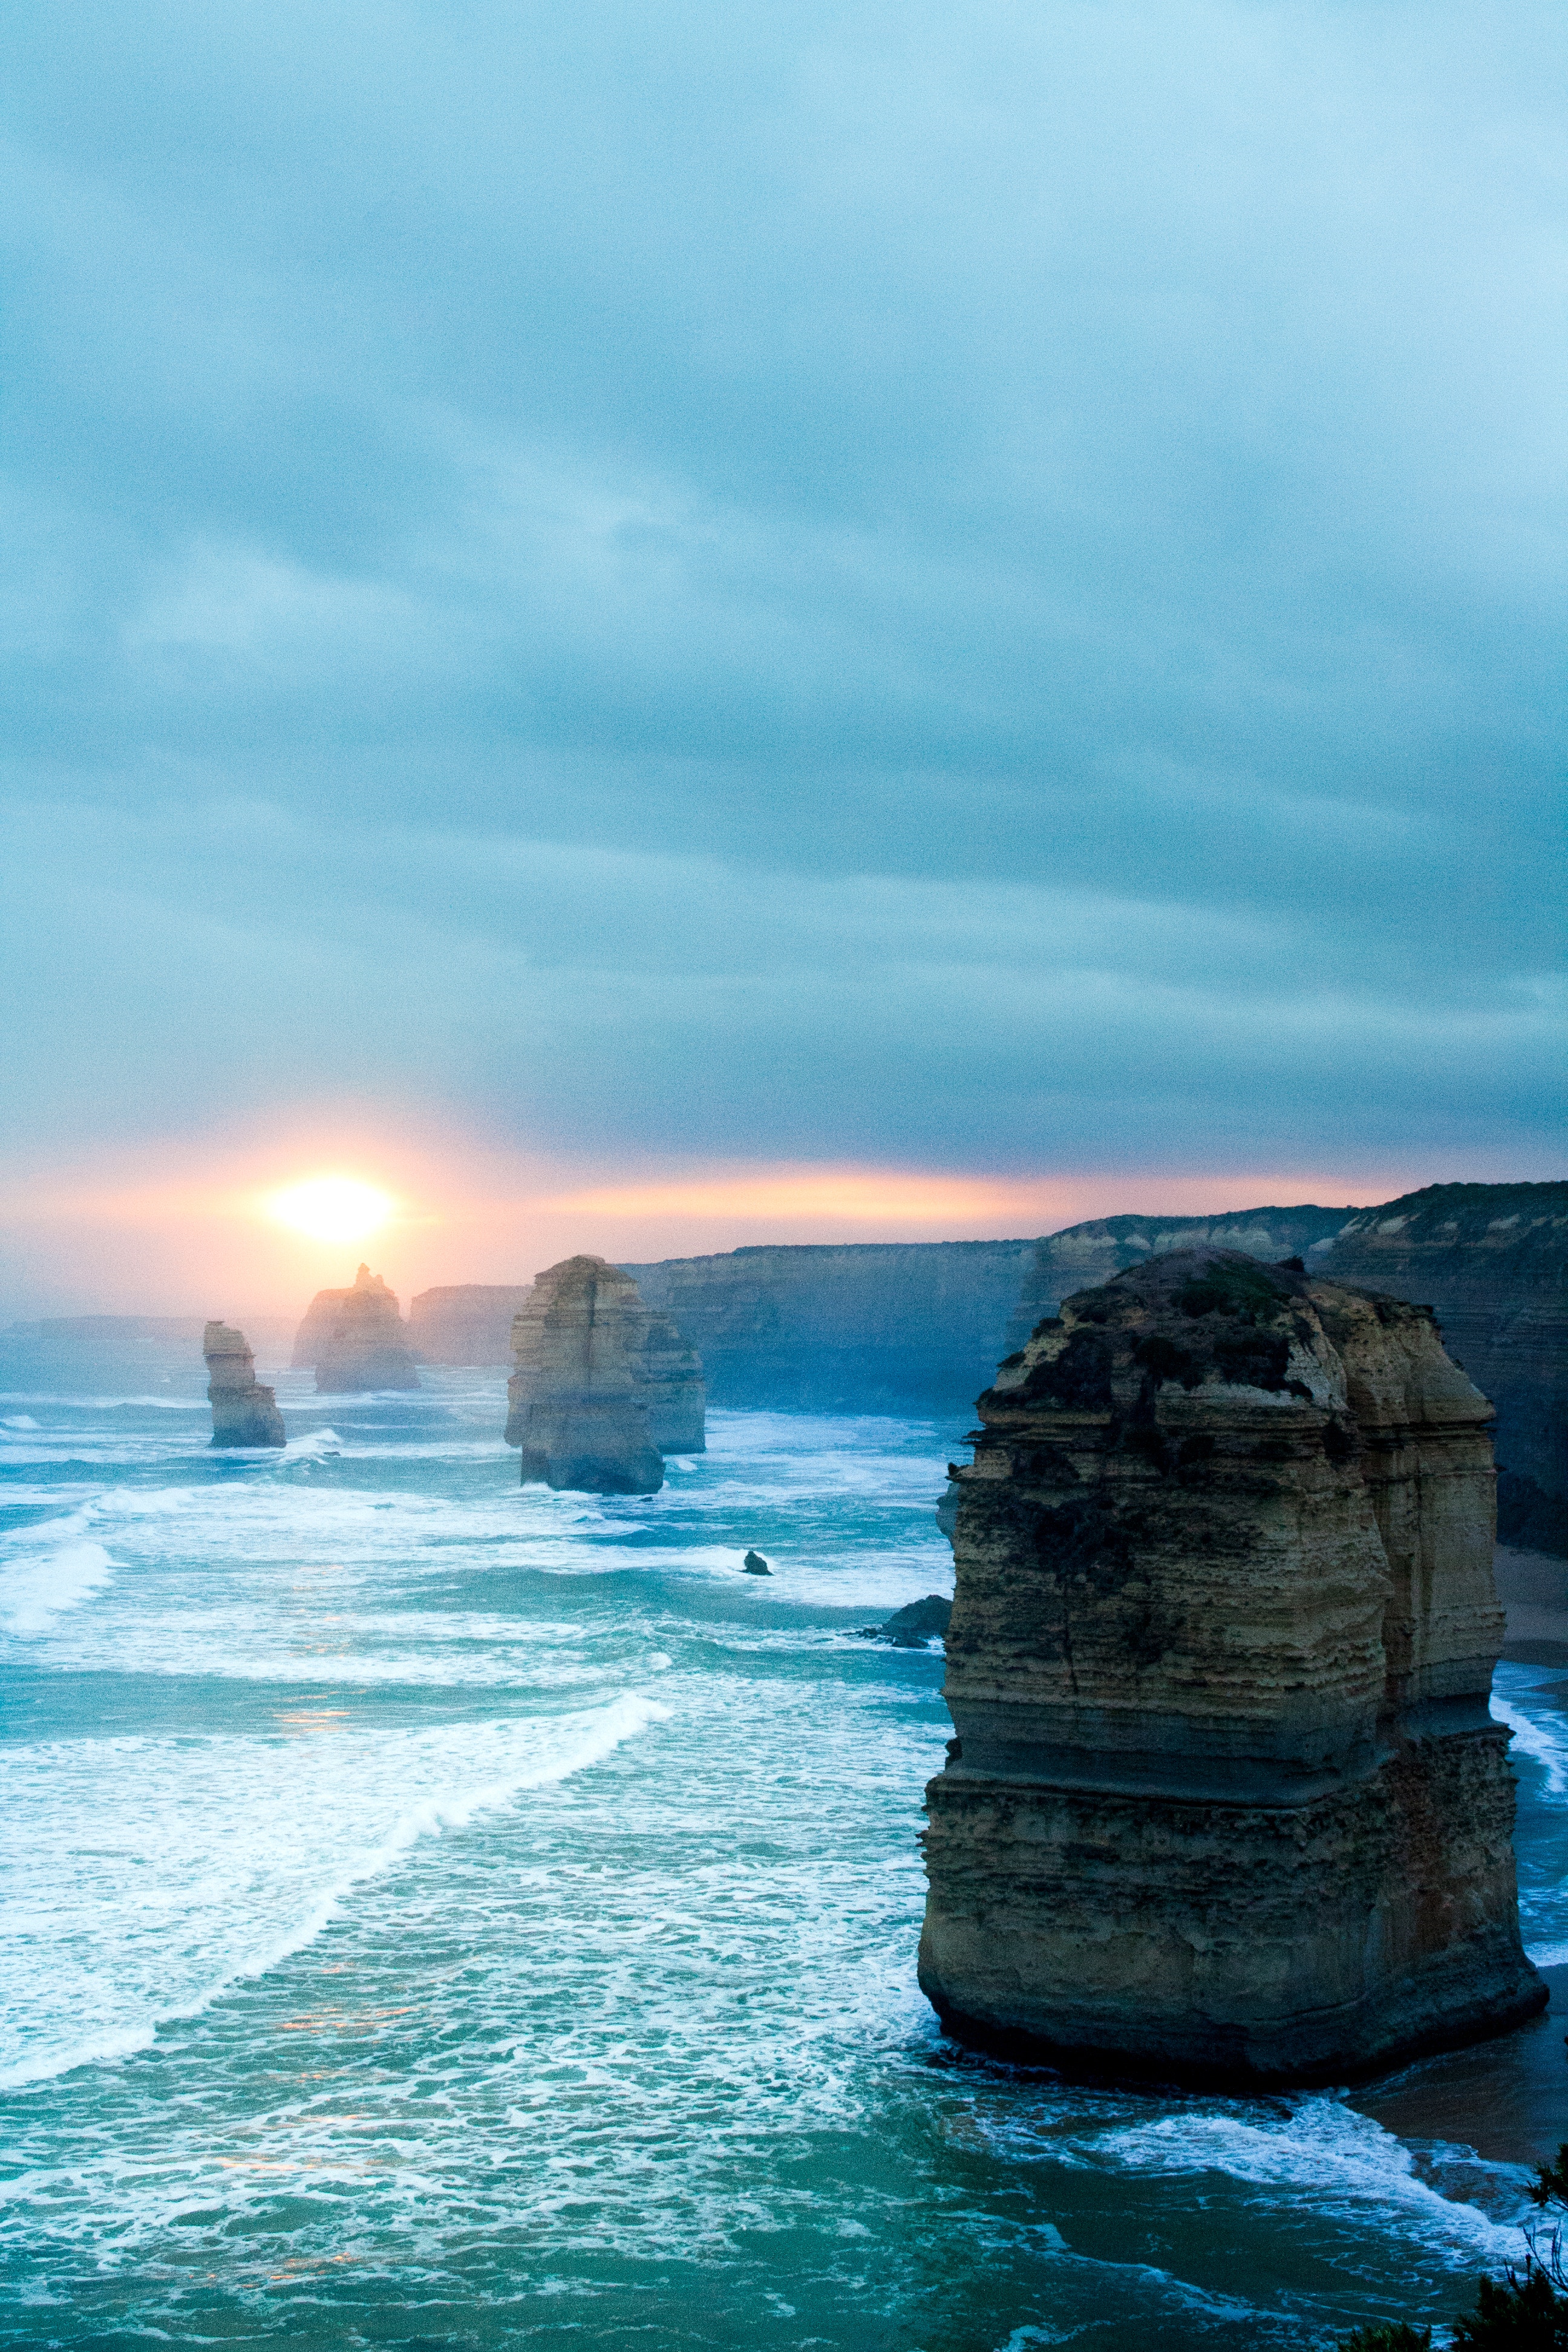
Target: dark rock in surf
756 1565
911 1627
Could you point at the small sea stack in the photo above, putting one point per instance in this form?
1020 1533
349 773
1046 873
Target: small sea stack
356 1338
1226 1804
578 1413
244 1412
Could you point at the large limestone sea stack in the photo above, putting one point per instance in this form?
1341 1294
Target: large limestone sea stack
1226 1804
356 1338
244 1412
578 1410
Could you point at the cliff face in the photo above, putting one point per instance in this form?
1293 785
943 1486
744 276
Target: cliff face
669 1375
1492 1262
1227 1804
244 1412
864 1327
356 1338
576 1410
470 1323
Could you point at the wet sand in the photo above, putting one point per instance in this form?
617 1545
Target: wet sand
1533 1588
1507 2099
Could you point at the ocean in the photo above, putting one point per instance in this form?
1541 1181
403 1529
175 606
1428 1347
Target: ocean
444 1913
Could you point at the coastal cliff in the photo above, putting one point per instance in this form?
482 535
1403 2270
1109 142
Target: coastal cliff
1225 1803
668 1374
244 1412
1491 1260
577 1411
356 1338
1094 1251
863 1327
467 1323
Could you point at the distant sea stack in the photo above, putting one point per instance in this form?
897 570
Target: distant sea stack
577 1410
468 1323
1493 1261
356 1338
1226 1804
244 1412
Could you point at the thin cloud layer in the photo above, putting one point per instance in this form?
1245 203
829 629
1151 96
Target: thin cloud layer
824 584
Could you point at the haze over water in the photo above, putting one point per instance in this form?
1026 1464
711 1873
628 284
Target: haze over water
441 1912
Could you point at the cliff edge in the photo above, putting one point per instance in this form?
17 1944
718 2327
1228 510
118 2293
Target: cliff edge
1226 1804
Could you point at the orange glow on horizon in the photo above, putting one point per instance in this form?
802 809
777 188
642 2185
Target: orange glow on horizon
856 1195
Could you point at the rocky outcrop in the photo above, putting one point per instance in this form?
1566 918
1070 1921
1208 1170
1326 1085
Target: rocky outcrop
1225 1803
914 1626
244 1412
468 1323
356 1338
1491 1260
577 1411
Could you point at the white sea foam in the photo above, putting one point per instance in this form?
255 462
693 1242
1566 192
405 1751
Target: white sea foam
148 1875
48 1569
20 1421
1538 1740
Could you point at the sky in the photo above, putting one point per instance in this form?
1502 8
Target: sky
655 628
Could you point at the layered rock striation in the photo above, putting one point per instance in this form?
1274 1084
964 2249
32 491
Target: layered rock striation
244 1412
1491 1260
1226 1804
356 1338
578 1412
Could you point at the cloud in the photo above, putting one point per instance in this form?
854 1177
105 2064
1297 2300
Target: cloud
826 583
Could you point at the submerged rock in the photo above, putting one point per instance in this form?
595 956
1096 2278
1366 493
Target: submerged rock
911 1627
756 1565
357 1339
1227 1803
244 1412
577 1411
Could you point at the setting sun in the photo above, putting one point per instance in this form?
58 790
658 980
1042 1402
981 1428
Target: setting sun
331 1208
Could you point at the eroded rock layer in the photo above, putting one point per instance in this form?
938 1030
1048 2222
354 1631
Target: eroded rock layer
357 1339
1226 1803
577 1410
244 1412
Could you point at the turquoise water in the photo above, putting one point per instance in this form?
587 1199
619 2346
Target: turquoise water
443 1913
